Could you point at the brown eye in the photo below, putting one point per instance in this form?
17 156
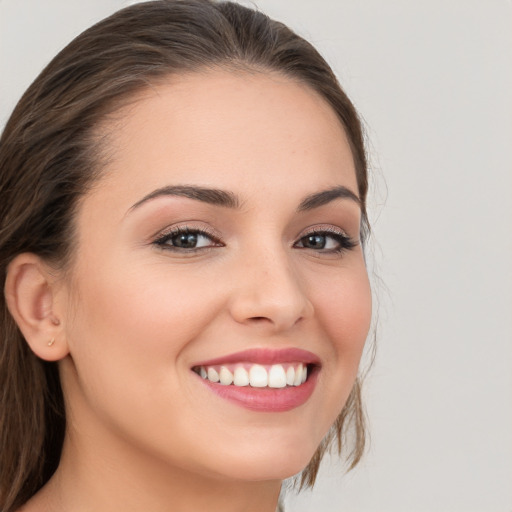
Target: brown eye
183 239
326 241
314 241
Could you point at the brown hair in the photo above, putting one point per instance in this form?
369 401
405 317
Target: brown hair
49 158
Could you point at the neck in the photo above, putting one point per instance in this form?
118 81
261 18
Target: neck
129 482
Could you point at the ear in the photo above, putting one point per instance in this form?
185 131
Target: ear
30 291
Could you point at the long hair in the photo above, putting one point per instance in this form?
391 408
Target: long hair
50 154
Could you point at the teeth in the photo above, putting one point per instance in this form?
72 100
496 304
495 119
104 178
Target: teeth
241 377
225 376
290 376
297 381
213 376
258 376
277 377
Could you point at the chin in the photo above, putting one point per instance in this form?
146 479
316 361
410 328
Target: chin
268 463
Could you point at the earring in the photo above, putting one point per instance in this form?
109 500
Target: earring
51 342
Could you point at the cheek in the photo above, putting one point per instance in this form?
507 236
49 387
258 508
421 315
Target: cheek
128 338
345 308
147 315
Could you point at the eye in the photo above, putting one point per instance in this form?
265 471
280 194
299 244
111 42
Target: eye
326 241
186 239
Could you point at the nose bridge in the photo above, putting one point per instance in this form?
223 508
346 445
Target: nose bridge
270 290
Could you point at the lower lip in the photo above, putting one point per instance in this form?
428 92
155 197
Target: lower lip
266 399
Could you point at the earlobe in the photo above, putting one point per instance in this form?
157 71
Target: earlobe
29 293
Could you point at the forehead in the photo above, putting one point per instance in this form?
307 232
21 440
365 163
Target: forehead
230 130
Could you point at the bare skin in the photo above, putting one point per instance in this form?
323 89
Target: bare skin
138 311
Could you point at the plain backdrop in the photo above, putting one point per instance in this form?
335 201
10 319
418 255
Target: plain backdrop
433 81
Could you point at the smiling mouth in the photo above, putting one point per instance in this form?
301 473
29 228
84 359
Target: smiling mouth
262 379
256 375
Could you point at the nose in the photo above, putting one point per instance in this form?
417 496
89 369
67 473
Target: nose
269 292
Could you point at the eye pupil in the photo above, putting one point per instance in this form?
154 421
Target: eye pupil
314 241
185 240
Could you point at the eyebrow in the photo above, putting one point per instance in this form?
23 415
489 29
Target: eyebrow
207 195
326 196
228 199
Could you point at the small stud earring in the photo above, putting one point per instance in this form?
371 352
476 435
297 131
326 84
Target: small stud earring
51 342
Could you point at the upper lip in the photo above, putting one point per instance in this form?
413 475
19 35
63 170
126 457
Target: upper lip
265 356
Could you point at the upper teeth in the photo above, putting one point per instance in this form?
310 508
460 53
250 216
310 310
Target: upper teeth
256 375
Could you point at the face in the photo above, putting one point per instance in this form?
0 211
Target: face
221 243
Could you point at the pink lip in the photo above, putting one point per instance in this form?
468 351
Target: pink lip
265 356
266 399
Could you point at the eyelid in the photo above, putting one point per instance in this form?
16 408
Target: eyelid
345 241
326 228
162 236
186 227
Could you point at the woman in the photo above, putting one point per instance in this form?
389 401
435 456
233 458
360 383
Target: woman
183 207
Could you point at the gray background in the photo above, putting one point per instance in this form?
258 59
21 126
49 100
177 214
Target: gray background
433 81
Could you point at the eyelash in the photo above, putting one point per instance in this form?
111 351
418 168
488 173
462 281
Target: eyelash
166 237
343 241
